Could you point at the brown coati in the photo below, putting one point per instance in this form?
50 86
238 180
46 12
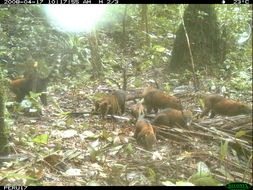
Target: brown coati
111 104
21 87
170 117
155 99
219 105
144 133
107 105
138 110
147 90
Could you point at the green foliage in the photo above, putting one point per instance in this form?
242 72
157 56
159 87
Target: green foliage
19 36
152 175
235 20
93 183
203 179
14 175
41 139
179 183
202 104
240 133
203 176
167 87
224 150
96 155
32 103
90 135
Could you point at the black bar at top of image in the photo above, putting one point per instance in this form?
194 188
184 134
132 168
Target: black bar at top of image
156 1
125 2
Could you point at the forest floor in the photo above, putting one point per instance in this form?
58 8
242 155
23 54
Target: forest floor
84 149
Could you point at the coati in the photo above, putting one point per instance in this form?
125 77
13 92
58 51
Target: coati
147 90
144 133
138 110
170 117
155 99
219 105
22 87
111 104
107 105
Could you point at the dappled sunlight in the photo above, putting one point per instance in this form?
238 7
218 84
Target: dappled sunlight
74 18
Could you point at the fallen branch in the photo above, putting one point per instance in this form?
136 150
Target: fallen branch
97 113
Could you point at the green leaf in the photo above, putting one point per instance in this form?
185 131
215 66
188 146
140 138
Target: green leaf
115 150
240 133
167 87
168 183
224 150
116 140
10 175
105 134
34 95
119 166
184 183
26 104
64 113
96 96
85 125
202 167
152 175
225 173
89 134
70 121
159 48
129 148
33 110
201 103
203 179
41 139
93 183
92 152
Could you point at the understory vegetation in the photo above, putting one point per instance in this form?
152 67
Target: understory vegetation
131 47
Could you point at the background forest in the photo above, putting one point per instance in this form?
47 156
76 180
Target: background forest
180 49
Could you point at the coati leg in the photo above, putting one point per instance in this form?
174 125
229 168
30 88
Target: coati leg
162 119
156 110
106 111
20 97
43 98
122 110
206 111
149 109
212 114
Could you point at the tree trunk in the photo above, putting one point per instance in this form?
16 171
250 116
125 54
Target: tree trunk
123 42
4 148
204 39
95 57
144 22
